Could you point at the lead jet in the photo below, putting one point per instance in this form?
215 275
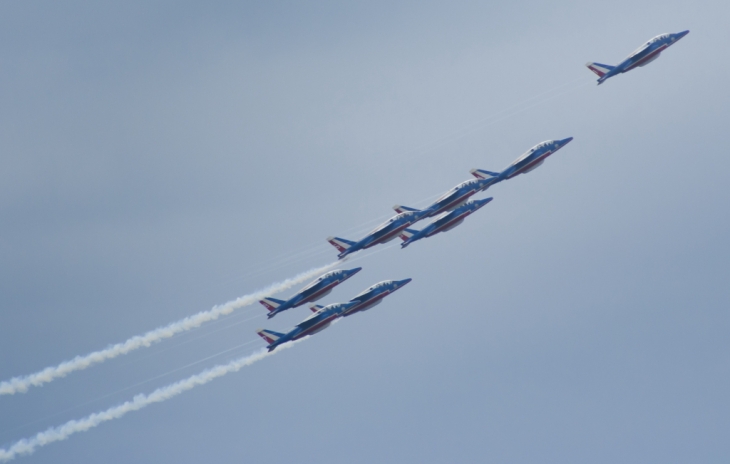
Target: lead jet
455 197
385 232
370 297
444 223
317 289
525 163
644 55
317 322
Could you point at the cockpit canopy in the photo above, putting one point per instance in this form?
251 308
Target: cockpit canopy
533 150
320 279
649 43
372 288
466 183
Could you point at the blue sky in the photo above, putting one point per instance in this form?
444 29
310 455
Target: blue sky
161 158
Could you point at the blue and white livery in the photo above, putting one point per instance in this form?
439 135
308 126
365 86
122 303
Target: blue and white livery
644 55
530 160
370 297
315 290
385 232
444 223
454 198
320 320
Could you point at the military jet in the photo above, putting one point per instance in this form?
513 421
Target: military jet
446 222
525 163
317 322
317 289
385 232
644 55
370 297
454 198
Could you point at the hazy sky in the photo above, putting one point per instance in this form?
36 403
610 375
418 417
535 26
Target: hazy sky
159 158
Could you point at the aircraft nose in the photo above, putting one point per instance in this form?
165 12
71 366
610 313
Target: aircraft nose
483 202
682 34
564 142
352 272
402 282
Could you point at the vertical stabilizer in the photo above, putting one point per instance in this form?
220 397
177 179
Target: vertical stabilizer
269 335
271 303
341 244
407 233
600 69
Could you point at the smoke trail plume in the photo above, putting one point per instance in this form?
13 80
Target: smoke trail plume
53 434
22 383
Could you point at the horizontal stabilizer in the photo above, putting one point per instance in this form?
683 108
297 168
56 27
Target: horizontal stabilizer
600 69
315 308
340 243
407 233
483 174
269 335
271 303
402 209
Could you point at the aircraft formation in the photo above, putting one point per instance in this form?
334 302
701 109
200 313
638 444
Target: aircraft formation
449 211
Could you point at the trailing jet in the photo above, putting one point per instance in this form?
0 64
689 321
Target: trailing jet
317 322
525 163
317 289
444 223
644 55
370 297
385 232
455 197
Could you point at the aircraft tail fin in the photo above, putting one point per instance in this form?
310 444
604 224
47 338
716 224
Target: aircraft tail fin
269 335
600 69
402 209
315 307
340 243
407 233
483 174
271 303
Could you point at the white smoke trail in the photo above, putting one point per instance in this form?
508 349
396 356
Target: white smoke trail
53 434
22 383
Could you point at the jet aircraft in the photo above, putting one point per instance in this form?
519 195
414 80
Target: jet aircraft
454 198
385 232
370 297
316 289
644 55
444 223
525 163
317 322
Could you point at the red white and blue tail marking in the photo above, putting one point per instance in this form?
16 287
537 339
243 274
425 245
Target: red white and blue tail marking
403 209
269 335
483 173
407 233
600 69
271 303
341 244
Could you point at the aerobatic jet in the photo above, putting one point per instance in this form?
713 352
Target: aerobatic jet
525 163
447 222
317 322
317 289
644 55
385 232
454 198
370 297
